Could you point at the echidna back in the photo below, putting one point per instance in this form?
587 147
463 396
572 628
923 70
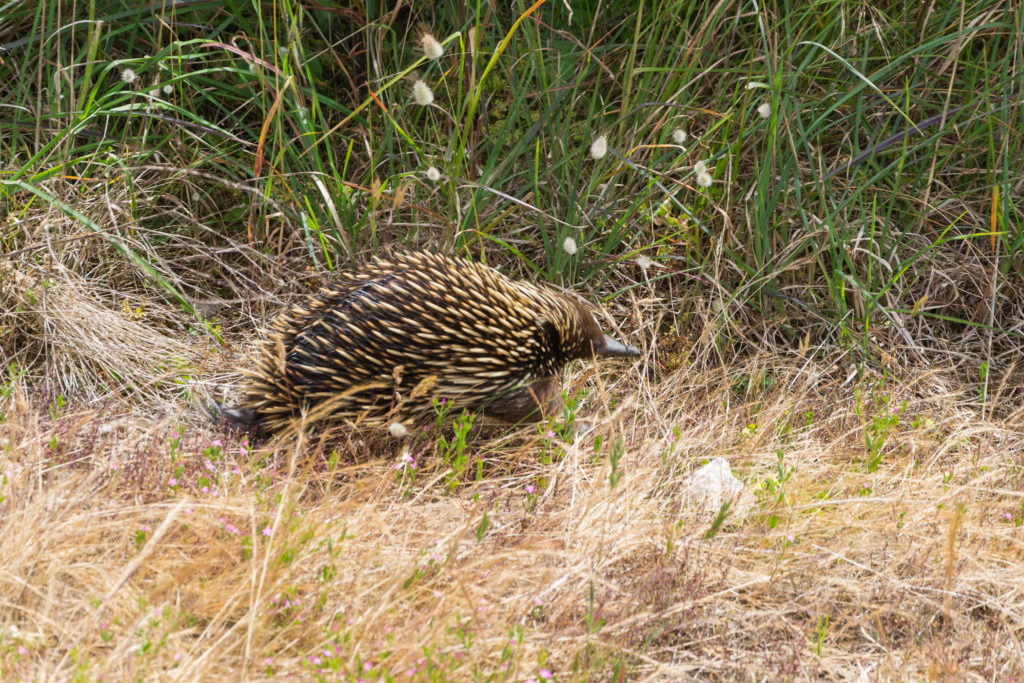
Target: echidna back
383 342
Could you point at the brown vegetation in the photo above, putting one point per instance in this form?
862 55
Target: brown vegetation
127 553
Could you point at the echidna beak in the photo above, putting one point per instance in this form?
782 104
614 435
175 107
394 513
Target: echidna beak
613 347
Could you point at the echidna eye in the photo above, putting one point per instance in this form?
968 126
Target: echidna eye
549 334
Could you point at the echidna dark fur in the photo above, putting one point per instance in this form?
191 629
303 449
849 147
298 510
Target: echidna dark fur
381 343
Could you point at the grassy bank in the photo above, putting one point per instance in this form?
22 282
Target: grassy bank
806 216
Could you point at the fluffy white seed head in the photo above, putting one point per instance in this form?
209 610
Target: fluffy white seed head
700 167
422 94
433 175
679 136
128 75
569 245
599 147
168 89
644 263
704 179
398 430
764 110
431 48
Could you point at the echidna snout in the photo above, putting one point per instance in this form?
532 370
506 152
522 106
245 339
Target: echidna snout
380 344
613 347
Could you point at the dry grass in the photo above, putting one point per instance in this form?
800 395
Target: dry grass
883 548
311 557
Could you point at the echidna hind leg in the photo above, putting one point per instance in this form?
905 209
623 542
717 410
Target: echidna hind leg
531 403
245 419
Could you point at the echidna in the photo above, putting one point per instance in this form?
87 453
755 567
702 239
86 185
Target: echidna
381 343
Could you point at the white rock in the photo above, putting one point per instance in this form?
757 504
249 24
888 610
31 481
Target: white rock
713 484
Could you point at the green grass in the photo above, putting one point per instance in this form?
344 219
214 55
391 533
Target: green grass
289 132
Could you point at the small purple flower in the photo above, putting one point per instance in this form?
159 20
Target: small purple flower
530 488
217 443
406 461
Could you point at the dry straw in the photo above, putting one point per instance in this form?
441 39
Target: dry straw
286 560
